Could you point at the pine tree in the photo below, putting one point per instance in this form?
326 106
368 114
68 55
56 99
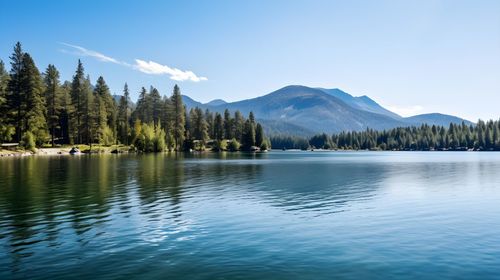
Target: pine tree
238 124
67 110
209 119
248 135
100 110
32 86
123 116
200 127
53 100
251 117
155 105
218 127
106 107
142 111
78 97
180 120
168 120
228 125
259 135
89 113
6 130
15 94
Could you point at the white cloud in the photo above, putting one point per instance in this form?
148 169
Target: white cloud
97 55
151 67
406 111
148 67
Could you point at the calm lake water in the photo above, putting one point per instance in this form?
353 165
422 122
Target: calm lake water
279 215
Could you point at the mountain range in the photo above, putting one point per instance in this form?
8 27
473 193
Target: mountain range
301 110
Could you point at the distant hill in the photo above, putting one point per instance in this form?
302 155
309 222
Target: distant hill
436 118
216 102
301 110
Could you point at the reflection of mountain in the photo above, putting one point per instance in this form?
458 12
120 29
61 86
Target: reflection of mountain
313 184
301 110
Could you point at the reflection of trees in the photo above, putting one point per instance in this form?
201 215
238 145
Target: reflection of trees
39 195
160 178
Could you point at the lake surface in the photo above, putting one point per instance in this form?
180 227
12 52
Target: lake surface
279 215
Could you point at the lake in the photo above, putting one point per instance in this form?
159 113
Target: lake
276 215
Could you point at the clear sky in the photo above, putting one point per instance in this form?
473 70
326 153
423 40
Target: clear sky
411 56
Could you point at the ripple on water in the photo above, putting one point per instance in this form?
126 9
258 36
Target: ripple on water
288 215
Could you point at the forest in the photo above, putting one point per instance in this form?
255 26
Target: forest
483 136
37 109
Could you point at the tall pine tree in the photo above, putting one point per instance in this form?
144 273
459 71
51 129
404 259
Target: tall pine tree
53 100
179 117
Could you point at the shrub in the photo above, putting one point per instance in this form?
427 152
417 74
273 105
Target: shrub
28 141
220 145
264 146
108 137
234 145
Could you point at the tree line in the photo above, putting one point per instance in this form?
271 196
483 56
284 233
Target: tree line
483 136
37 109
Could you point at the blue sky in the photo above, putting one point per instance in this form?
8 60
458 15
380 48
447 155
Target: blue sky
411 56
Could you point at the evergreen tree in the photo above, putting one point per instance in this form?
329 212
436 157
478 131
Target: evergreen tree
228 125
238 124
90 114
16 97
259 135
78 97
248 135
209 119
218 127
251 117
179 117
6 130
155 105
53 100
67 110
123 116
32 86
200 127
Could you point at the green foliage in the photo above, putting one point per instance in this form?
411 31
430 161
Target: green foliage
456 137
289 142
28 141
151 138
233 145
218 127
53 99
259 135
248 135
78 112
179 118
107 136
123 117
6 129
219 145
264 146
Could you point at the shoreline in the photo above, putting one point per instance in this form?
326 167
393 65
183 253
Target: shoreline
64 151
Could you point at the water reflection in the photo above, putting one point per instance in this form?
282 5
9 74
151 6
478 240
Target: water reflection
173 210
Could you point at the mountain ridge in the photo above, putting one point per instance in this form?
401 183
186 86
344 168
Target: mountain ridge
302 110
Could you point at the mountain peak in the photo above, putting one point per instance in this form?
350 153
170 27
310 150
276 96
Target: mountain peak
216 102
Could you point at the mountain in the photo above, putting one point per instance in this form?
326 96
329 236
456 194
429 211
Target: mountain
364 102
216 102
437 119
191 103
301 110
